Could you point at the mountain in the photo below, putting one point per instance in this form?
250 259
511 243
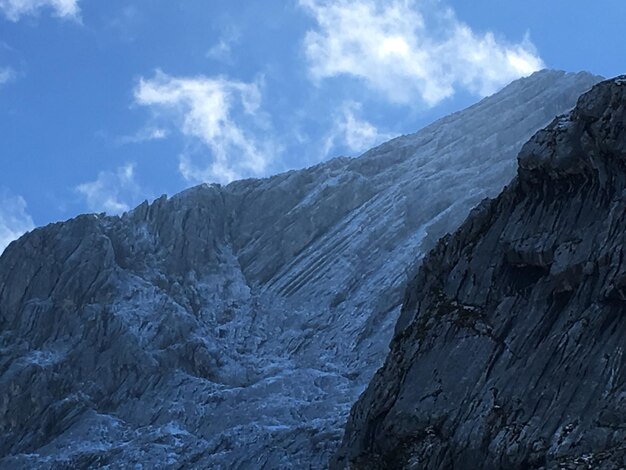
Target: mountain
509 351
233 327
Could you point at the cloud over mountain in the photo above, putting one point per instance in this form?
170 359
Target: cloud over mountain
409 50
14 219
112 192
223 115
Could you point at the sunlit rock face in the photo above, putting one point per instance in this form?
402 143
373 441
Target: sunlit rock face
234 327
509 351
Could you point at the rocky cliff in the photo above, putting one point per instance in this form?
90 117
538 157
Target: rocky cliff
233 327
509 351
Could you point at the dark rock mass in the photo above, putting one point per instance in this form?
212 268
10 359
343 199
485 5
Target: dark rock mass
509 351
233 327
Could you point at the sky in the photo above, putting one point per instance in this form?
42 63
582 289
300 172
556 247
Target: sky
106 104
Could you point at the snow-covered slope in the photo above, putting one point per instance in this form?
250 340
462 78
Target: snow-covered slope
233 327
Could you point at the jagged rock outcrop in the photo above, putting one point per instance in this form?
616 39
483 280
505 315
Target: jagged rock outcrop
509 351
233 327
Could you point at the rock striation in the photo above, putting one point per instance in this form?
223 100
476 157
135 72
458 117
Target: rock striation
233 327
509 351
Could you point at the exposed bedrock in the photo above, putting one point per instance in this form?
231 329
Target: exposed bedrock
509 351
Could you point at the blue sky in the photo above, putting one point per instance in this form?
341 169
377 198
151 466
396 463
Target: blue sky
105 104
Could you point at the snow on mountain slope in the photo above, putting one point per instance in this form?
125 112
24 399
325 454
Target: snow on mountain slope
233 327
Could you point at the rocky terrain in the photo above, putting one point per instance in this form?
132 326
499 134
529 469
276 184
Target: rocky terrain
234 327
509 351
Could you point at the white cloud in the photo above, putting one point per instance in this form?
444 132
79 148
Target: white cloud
124 22
217 112
220 51
353 132
145 134
112 192
14 220
14 9
7 74
410 50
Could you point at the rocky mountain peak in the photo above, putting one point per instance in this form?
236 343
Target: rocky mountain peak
580 141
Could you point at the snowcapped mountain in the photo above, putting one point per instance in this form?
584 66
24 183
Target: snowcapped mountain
234 327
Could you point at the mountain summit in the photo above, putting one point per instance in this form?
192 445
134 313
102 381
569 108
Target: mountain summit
233 327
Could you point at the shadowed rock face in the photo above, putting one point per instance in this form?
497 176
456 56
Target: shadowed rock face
509 351
233 327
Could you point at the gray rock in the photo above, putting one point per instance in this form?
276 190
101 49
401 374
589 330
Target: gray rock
509 351
233 327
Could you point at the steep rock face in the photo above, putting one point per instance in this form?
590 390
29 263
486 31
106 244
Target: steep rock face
233 327
509 351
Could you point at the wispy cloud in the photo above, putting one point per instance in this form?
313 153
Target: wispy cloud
222 114
7 74
223 48
14 219
124 22
219 51
144 134
410 50
15 9
352 132
112 192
